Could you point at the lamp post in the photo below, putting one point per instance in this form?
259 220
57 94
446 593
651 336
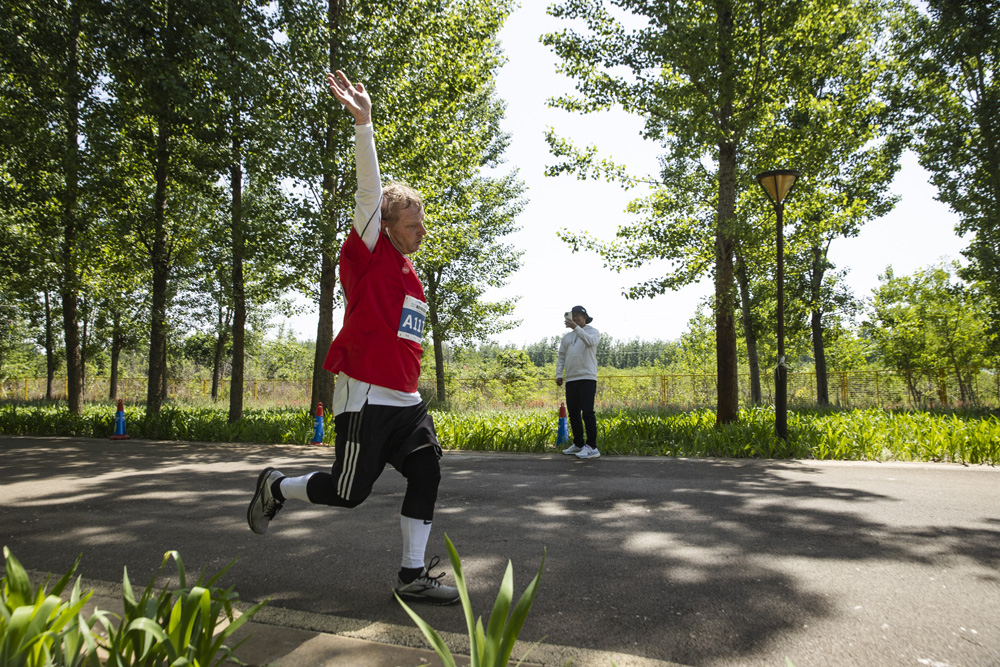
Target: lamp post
778 184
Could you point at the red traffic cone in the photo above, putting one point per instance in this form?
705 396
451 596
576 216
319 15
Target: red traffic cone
120 423
318 426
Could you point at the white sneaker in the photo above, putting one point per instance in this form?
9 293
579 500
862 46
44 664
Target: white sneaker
572 449
588 452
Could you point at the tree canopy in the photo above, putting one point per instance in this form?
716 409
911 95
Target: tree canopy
170 170
951 86
727 89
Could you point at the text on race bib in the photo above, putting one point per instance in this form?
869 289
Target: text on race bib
411 321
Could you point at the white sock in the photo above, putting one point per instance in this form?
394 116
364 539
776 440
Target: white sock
295 487
415 535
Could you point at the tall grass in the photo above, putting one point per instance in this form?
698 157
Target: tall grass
856 435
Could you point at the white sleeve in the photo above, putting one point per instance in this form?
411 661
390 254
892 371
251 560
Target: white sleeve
589 335
561 358
368 198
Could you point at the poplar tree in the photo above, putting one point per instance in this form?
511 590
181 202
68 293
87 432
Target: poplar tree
706 77
50 66
950 75
424 63
159 117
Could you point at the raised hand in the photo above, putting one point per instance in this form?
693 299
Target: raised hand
352 96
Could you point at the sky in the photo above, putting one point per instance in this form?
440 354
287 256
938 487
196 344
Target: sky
919 232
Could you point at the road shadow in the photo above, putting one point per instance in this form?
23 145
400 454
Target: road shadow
688 560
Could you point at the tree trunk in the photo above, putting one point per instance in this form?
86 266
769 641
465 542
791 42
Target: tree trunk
70 246
116 350
160 251
727 369
165 385
84 319
816 324
964 389
50 352
161 270
442 390
438 333
323 381
819 356
220 350
749 331
727 408
239 294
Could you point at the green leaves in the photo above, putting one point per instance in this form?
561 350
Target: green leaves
929 320
39 628
948 80
177 627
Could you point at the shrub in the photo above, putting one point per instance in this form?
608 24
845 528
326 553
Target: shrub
38 627
176 627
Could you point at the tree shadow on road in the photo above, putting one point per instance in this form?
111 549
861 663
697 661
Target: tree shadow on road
687 560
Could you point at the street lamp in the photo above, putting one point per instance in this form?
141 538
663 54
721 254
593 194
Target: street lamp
778 184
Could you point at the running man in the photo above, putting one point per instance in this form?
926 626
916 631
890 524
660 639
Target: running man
379 416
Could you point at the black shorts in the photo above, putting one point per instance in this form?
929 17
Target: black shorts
377 435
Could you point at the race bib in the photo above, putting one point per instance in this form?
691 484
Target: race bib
411 322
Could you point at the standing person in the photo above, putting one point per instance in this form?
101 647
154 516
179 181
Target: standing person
577 363
379 416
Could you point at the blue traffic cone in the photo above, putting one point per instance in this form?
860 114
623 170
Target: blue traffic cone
318 426
120 423
563 436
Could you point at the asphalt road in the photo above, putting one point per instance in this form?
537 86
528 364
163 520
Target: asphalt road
691 561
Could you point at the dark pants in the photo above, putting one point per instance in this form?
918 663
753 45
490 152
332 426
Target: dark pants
580 401
365 442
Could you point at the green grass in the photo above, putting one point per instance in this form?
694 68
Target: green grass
175 422
970 437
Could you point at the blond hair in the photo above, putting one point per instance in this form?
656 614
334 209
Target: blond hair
397 197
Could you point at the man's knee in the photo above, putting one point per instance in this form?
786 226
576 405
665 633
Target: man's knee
422 467
323 490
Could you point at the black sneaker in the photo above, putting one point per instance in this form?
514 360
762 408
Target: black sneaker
264 505
426 588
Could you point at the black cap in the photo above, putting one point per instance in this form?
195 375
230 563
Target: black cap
583 311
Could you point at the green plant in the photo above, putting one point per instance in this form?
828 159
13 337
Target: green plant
492 646
38 627
178 627
872 434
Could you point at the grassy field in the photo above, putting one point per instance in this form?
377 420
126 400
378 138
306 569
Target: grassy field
855 435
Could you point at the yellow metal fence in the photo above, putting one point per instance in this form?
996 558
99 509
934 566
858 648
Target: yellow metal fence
855 389
924 388
283 392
